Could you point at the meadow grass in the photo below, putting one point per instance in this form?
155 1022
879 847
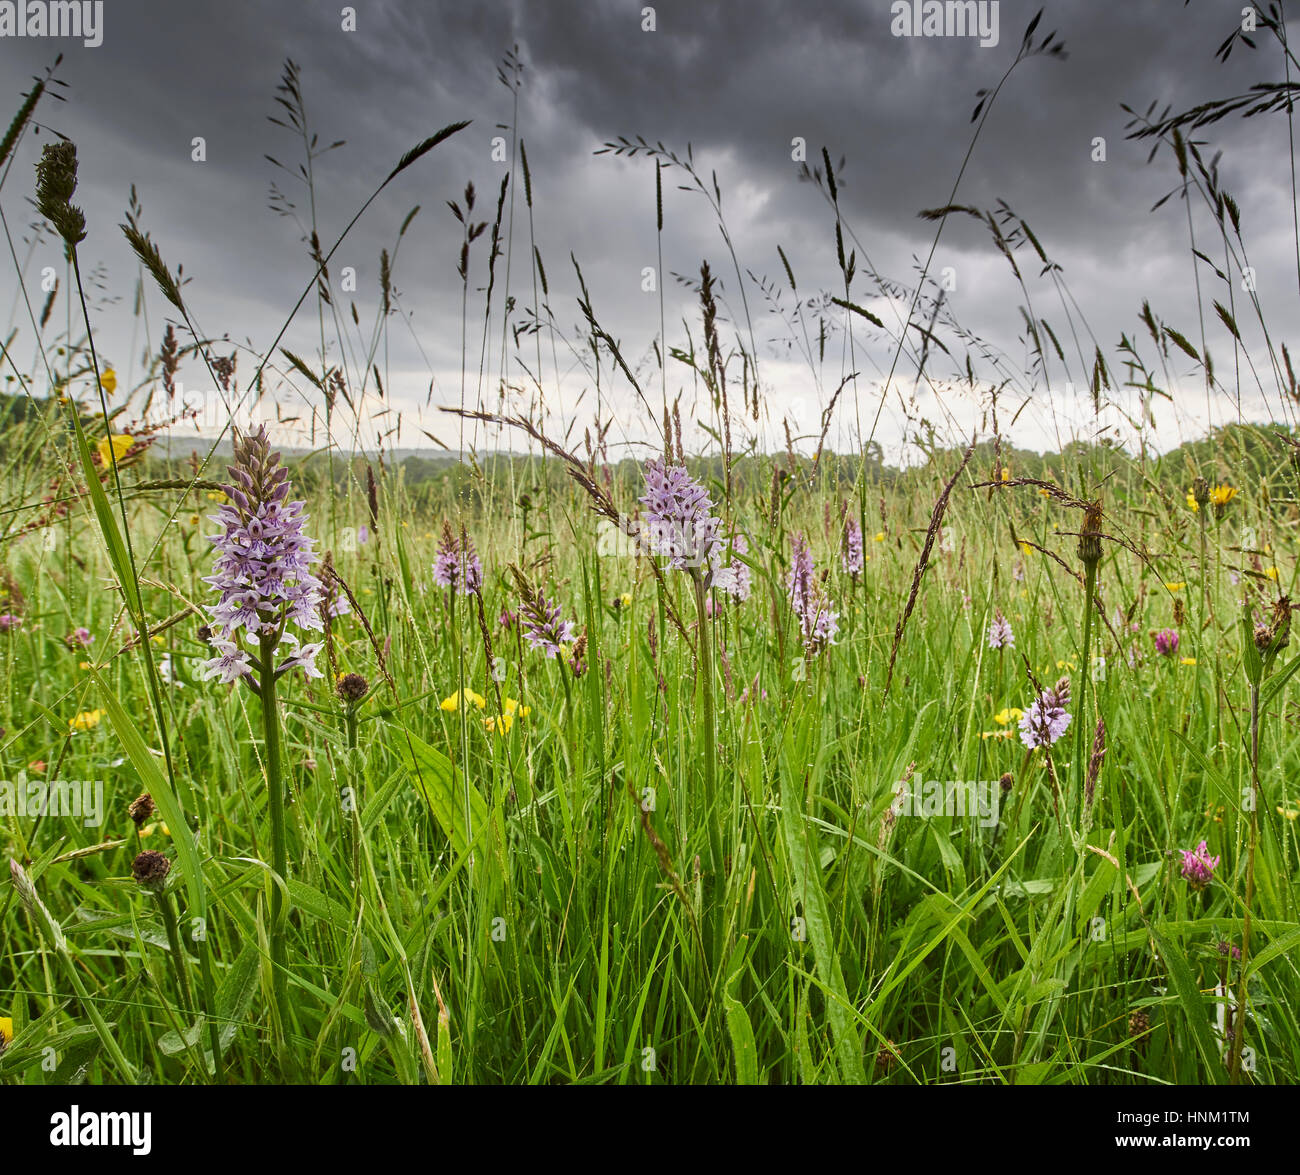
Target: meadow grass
701 844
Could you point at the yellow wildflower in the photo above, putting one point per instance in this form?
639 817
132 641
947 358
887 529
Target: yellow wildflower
1221 495
512 706
108 381
987 734
114 447
1191 503
86 720
217 496
1008 715
501 723
1176 587
1188 661
626 599
453 703
150 829
878 537
6 1031
1271 572
1026 548
1289 813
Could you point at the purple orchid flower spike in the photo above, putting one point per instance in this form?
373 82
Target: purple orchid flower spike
262 571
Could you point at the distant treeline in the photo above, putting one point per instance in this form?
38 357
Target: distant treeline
1242 454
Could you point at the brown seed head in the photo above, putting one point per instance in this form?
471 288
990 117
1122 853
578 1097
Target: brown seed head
352 687
142 807
150 869
1090 535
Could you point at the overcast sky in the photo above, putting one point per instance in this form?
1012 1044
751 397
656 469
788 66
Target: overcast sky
740 82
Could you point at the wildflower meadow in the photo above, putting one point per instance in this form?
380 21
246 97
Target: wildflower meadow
624 710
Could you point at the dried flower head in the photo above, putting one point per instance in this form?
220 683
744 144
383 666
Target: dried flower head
142 807
150 869
351 688
1090 535
578 656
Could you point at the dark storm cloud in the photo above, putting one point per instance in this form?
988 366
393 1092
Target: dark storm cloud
738 81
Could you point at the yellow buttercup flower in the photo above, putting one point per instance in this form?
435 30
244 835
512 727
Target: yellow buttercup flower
1188 661
1176 587
217 496
453 703
1271 572
1008 715
878 537
626 599
6 1031
1221 495
1191 503
114 447
1026 548
108 380
86 720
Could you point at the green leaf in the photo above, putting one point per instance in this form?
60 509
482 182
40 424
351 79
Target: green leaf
155 783
808 885
447 794
742 1040
1180 974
